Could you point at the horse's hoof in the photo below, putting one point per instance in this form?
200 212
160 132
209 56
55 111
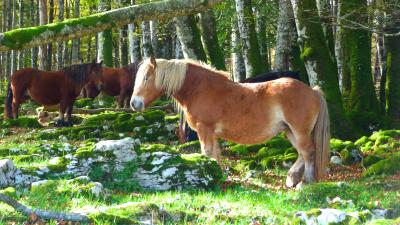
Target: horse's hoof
291 182
68 124
60 123
300 186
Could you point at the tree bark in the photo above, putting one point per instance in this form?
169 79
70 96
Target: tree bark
146 40
356 50
34 22
31 37
43 48
60 45
154 38
123 45
250 48
238 67
49 62
105 45
9 27
284 36
134 41
21 54
320 67
76 42
261 30
208 29
189 37
14 53
178 53
393 70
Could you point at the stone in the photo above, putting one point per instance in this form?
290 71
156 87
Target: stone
7 173
336 160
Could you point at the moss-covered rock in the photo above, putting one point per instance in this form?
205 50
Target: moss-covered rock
86 103
190 147
25 122
58 164
388 166
10 192
370 160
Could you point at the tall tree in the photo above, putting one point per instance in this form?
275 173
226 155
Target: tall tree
43 48
284 36
61 44
8 27
320 67
146 39
393 64
76 42
238 67
21 54
50 45
105 44
356 52
34 22
208 28
261 30
189 37
14 60
250 48
154 37
134 41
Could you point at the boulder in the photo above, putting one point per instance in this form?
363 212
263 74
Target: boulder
7 173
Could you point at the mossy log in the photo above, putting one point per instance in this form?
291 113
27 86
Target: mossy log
43 214
75 28
75 110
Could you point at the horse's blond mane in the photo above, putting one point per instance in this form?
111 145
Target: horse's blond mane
171 74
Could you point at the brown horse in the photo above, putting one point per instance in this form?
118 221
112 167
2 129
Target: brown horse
116 82
50 88
217 107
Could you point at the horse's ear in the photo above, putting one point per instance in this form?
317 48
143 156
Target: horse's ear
153 61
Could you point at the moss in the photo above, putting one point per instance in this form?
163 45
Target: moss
86 103
337 145
58 164
313 212
307 52
387 166
239 150
370 160
10 192
25 122
85 152
189 147
108 218
157 148
361 141
23 158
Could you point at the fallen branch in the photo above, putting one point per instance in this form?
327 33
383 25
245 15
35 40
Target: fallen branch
43 214
76 110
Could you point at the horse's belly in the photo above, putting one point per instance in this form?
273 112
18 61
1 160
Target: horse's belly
45 97
250 133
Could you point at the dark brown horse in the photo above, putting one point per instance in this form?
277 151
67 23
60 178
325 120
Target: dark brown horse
116 82
50 88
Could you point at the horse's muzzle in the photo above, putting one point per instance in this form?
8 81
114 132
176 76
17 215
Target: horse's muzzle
137 103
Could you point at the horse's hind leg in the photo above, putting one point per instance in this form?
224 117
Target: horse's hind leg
296 171
208 142
306 147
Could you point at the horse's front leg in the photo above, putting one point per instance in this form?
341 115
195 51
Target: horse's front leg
208 142
61 122
68 121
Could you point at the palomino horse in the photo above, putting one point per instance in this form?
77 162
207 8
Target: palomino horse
185 134
50 88
116 82
217 107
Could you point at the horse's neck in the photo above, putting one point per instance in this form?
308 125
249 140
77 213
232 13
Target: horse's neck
199 80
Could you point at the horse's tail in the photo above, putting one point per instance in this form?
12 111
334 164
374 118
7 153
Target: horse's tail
321 137
8 102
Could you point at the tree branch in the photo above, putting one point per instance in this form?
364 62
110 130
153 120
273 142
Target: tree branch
75 28
43 214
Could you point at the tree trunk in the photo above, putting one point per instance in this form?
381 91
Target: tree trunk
123 45
95 23
261 30
61 44
105 51
146 40
361 103
14 53
154 38
189 37
134 41
34 22
284 36
178 48
67 56
393 70
21 54
326 14
9 27
320 66
250 48
43 21
166 44
76 42
238 67
208 29
49 62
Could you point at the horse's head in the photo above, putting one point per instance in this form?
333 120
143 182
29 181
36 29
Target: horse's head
91 90
96 75
145 90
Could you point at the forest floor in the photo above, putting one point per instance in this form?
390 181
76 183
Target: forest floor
249 193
